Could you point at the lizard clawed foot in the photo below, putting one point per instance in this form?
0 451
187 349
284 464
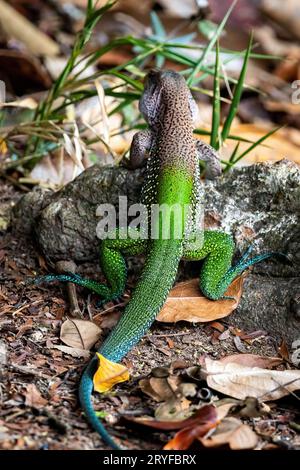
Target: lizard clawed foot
246 254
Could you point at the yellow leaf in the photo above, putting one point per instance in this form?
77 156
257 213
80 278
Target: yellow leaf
3 147
108 374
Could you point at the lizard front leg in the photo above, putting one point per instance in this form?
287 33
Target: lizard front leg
141 145
211 158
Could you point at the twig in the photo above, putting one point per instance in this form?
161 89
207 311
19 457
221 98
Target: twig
13 181
284 386
27 370
121 304
63 267
168 334
88 307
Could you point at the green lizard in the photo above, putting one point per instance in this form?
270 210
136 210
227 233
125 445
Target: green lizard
172 177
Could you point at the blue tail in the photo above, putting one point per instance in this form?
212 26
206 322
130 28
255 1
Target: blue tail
86 384
85 397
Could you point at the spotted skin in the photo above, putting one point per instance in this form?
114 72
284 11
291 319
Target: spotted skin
172 177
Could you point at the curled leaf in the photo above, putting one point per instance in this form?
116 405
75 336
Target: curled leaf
157 388
108 374
252 360
233 432
184 439
204 414
74 352
175 409
186 436
80 334
241 381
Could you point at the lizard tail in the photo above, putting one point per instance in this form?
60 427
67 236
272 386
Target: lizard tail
148 297
85 397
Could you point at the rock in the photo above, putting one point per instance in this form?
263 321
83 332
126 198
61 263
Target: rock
266 305
65 223
27 210
258 204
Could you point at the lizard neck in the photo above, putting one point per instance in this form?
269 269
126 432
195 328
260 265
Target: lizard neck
175 145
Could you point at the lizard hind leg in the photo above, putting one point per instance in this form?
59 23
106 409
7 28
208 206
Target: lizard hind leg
244 264
113 267
217 273
94 286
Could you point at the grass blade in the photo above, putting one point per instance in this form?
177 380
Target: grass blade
192 78
249 149
237 95
216 108
234 153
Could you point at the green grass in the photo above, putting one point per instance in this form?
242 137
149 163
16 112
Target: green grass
46 129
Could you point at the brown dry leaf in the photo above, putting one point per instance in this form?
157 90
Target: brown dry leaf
175 409
205 414
21 64
33 397
185 302
252 360
233 432
207 420
74 352
160 388
283 351
217 326
80 334
157 388
55 169
224 408
107 320
241 381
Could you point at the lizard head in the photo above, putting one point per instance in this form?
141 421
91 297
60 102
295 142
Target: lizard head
165 88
